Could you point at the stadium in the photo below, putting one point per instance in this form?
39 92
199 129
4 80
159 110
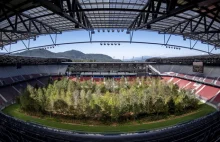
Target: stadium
109 99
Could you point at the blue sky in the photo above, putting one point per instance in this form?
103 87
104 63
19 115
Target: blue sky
125 49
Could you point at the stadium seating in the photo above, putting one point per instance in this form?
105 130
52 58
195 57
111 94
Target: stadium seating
204 92
10 74
203 129
8 93
6 81
183 83
205 85
209 71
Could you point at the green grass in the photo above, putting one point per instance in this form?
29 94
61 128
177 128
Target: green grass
13 110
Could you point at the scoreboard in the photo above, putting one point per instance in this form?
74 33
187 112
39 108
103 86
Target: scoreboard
198 67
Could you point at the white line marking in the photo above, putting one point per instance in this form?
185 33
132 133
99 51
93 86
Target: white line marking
3 98
40 82
16 90
200 89
187 85
177 81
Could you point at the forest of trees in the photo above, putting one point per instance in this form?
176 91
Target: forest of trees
109 100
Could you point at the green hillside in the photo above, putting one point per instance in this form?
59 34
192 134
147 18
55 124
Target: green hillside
72 54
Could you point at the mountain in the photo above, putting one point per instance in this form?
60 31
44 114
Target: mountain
72 54
37 53
138 59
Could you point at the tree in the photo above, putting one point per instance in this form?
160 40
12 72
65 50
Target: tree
60 106
107 101
41 98
171 106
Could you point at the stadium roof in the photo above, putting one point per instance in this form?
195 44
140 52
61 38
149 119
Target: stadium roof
25 19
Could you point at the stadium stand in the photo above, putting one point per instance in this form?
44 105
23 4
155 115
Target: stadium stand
11 129
191 19
203 129
33 71
179 70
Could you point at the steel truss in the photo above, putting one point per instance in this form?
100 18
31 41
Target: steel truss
70 9
112 43
21 26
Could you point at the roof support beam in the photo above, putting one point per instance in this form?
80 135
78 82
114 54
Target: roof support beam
185 26
138 18
157 9
56 6
6 16
200 19
173 12
216 15
24 32
22 21
28 19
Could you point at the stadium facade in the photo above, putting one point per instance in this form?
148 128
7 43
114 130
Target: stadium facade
12 129
192 19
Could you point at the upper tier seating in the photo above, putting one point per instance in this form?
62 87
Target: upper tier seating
12 71
210 75
209 71
13 80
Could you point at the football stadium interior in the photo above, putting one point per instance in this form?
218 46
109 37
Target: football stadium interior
197 20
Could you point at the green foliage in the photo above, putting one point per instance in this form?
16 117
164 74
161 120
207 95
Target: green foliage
171 106
108 100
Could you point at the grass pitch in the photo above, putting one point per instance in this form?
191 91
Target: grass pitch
204 109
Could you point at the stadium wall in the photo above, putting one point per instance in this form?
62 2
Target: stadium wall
10 71
209 71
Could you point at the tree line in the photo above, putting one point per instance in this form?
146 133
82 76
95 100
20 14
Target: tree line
108 100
